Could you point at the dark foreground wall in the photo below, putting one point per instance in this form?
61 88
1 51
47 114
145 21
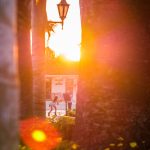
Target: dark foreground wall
24 58
9 87
114 86
38 56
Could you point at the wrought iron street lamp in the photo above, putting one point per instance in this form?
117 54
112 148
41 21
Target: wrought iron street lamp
63 10
63 7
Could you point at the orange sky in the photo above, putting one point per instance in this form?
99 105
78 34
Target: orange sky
66 41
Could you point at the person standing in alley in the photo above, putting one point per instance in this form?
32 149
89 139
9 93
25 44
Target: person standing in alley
53 105
68 102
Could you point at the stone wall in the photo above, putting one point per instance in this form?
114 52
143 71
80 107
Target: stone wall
114 87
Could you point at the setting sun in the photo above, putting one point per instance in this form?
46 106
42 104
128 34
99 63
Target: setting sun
65 42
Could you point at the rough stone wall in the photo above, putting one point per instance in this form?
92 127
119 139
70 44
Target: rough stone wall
114 86
9 85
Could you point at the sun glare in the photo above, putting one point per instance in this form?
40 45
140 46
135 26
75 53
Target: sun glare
65 42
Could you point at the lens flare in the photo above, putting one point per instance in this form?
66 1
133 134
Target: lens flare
39 134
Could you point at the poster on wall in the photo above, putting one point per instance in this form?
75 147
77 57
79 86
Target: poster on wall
58 88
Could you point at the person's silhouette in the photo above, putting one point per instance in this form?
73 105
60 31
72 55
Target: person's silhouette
53 105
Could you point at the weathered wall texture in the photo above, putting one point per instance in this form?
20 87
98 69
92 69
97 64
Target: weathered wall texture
114 86
9 90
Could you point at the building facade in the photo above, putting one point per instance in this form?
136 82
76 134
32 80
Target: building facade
57 85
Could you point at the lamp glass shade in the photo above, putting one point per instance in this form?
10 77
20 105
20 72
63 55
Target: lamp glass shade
63 9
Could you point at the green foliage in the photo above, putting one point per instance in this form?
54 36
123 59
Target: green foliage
67 145
72 113
125 144
23 147
65 125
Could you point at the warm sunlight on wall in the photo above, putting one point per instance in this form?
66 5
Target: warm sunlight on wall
67 41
